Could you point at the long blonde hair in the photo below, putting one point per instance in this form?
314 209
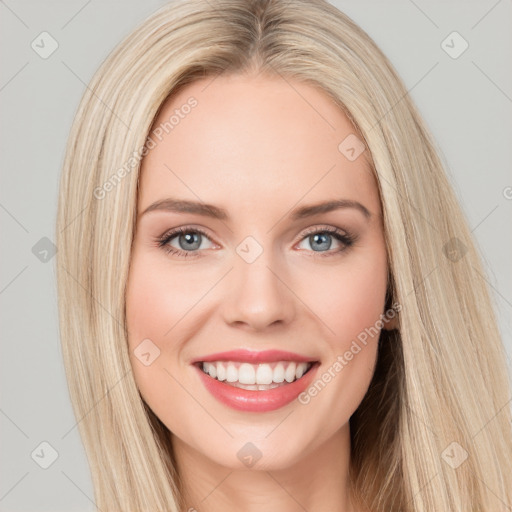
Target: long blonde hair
434 430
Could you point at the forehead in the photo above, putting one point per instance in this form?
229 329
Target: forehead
241 141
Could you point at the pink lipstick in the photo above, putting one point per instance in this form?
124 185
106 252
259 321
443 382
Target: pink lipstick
256 381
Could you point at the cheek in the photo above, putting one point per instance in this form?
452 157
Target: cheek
154 305
350 297
363 296
156 297
152 309
146 306
351 303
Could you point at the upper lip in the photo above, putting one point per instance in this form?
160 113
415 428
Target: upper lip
254 356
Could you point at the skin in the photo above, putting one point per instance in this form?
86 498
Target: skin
257 147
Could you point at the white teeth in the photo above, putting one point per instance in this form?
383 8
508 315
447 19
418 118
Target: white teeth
255 387
289 374
256 376
246 374
278 373
221 371
231 373
264 374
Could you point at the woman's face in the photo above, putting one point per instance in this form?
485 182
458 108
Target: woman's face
265 269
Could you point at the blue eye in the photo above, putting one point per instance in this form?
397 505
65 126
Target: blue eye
190 239
321 238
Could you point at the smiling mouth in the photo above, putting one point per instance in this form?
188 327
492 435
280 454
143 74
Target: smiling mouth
256 377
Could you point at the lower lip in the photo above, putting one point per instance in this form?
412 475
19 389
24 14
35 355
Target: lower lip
257 401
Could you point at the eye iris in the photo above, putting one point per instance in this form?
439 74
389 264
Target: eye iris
321 237
191 239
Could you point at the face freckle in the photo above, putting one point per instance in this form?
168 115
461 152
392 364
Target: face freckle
257 277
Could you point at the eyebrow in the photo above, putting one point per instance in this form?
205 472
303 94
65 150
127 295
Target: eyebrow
215 212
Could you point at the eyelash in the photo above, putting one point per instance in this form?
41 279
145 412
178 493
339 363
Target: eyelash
343 237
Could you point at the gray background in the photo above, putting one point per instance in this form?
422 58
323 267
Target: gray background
466 102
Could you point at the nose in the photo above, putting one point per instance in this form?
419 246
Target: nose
257 295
